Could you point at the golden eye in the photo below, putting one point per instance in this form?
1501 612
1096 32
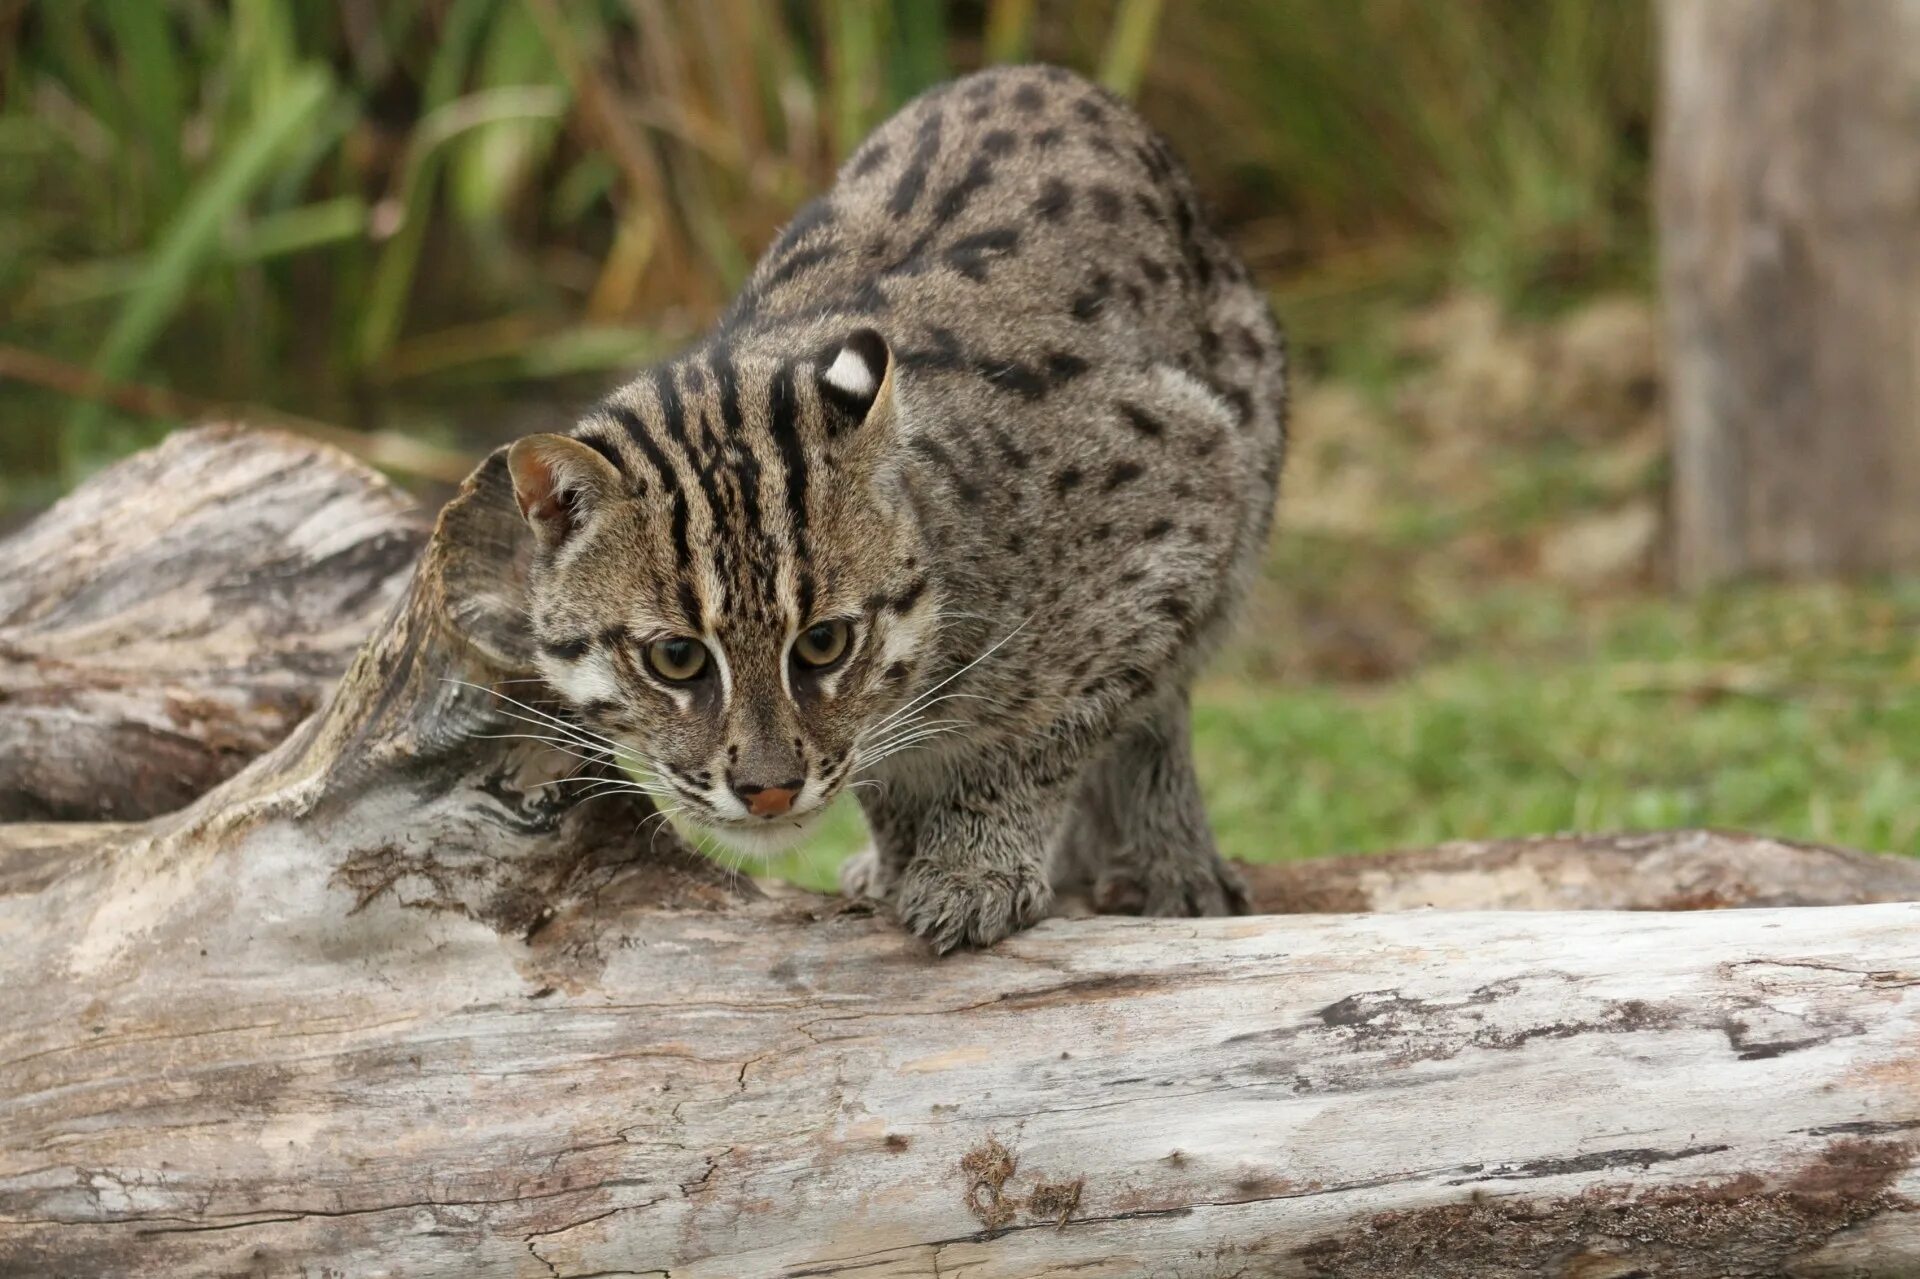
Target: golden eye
677 659
822 644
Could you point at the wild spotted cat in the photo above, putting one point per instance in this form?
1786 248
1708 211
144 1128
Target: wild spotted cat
948 509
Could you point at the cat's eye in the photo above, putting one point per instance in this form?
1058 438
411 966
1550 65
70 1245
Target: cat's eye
677 659
822 644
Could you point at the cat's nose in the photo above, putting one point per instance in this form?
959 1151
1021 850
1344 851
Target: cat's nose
768 801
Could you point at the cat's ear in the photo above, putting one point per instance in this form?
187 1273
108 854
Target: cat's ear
856 379
558 481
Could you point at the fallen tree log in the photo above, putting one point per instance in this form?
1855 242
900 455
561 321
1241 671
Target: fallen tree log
181 612
388 1003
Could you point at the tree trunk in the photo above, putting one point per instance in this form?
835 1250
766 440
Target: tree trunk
1789 212
181 612
386 1003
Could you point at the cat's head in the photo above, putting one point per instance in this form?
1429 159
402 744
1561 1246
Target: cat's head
728 581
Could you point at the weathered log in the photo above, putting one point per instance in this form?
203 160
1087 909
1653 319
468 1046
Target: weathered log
1663 870
384 1004
181 612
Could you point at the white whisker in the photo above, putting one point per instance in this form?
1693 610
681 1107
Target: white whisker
915 704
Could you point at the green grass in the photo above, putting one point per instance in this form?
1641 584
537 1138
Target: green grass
1790 711
405 215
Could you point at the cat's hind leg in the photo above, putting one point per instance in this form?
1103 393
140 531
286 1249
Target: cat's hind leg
1140 833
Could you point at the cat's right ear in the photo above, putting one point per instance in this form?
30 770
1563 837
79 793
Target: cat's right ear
558 481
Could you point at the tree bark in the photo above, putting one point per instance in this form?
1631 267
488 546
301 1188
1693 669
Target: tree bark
1789 214
181 612
386 1003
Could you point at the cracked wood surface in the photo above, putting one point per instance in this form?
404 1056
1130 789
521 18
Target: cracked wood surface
180 612
385 1004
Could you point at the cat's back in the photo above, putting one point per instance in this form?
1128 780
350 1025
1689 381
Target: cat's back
1094 388
1015 203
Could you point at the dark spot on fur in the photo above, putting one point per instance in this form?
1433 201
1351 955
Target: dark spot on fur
970 255
1142 421
1156 275
1156 530
871 157
958 476
954 200
1010 452
1122 472
1055 199
1010 375
1067 479
1029 98
998 142
1065 367
906 192
1048 138
1106 203
1087 303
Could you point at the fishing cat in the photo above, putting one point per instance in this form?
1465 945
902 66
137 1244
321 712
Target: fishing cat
947 510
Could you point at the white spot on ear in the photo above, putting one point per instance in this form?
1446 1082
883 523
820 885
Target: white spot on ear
850 373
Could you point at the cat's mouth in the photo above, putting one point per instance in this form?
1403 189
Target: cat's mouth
761 836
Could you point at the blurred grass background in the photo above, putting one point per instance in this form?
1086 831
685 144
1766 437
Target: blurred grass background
420 227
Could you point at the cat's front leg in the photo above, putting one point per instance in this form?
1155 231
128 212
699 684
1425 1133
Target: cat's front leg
979 871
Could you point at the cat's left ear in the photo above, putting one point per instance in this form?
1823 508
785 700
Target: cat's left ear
856 380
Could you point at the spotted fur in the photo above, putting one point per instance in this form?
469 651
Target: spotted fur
1004 403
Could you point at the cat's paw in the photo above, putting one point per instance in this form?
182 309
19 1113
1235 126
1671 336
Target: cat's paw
1184 890
972 905
864 877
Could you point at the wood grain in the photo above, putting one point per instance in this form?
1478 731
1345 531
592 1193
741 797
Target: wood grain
179 613
385 1003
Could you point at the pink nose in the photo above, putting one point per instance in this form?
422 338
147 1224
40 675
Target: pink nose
768 801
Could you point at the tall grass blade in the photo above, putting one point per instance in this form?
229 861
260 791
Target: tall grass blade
1129 46
193 236
1009 35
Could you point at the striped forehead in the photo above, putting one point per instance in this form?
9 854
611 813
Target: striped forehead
726 455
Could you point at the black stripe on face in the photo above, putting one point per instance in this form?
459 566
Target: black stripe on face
673 412
669 478
605 449
727 381
745 465
570 650
783 422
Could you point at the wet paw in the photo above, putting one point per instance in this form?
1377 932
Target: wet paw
972 906
1184 891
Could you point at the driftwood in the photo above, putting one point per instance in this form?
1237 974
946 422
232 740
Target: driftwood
181 613
385 1004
